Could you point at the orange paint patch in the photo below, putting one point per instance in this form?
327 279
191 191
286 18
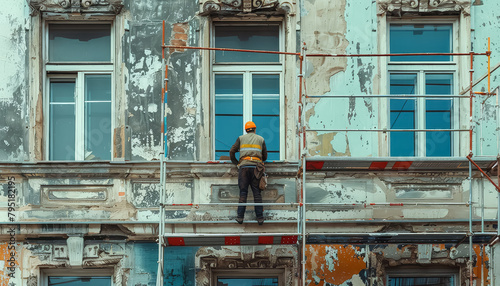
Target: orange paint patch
440 246
334 264
480 270
4 256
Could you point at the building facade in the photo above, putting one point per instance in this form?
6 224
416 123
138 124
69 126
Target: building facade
118 116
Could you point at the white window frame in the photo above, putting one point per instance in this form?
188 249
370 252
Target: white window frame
247 70
421 69
254 273
64 272
78 72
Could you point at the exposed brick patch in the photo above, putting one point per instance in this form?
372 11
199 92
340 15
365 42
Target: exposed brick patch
179 36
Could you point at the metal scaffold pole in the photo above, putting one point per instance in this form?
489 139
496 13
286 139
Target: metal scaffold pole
161 219
302 156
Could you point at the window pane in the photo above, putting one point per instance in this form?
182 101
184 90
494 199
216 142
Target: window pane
228 112
265 38
79 281
79 43
247 281
97 117
438 114
421 281
420 38
265 113
268 127
438 83
402 114
62 120
403 83
266 94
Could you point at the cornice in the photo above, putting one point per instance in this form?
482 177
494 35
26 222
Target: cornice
423 7
75 6
231 7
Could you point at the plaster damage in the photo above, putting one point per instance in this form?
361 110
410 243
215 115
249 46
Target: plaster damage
13 44
336 265
355 76
362 265
183 101
320 17
145 67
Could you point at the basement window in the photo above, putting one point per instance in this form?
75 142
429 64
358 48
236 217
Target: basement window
420 277
79 94
248 277
82 277
422 76
78 281
247 86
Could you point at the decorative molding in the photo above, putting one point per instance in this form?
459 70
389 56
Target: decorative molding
400 7
248 258
75 6
210 7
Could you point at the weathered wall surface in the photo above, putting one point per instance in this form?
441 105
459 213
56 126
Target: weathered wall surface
340 27
135 263
368 265
143 60
485 23
13 81
129 192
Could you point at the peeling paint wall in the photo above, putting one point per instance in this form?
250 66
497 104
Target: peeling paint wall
143 60
359 265
340 27
485 23
336 265
13 81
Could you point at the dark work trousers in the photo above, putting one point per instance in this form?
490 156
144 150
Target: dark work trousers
246 177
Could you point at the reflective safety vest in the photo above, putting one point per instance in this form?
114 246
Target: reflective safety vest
250 149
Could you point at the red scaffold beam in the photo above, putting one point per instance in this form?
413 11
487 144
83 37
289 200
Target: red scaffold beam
481 170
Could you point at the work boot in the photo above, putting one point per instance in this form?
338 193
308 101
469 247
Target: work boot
239 220
260 221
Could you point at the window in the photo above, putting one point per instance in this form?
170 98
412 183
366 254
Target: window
248 277
79 67
247 86
430 76
421 277
78 281
94 277
248 281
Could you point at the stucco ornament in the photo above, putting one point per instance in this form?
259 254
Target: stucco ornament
76 6
399 7
245 6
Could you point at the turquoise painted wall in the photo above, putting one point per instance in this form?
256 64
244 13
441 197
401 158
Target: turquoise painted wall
179 267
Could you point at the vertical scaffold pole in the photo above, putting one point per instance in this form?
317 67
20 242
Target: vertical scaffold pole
303 154
161 219
471 95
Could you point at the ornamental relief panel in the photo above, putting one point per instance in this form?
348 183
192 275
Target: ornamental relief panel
76 6
399 7
208 7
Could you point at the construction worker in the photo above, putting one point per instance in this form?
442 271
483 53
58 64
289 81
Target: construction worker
253 152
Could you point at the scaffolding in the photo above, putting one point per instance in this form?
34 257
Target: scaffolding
299 236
